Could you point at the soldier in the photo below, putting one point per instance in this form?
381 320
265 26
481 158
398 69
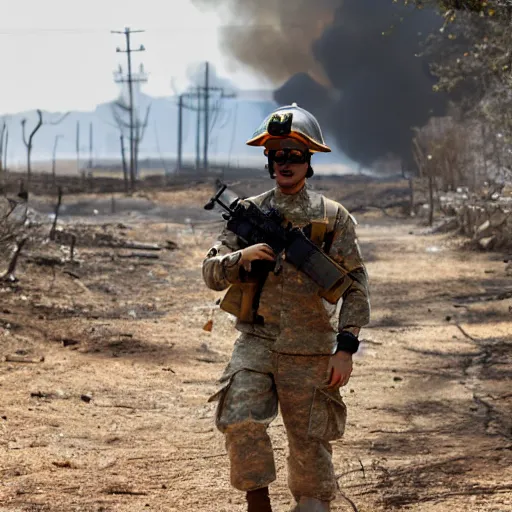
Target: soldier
293 350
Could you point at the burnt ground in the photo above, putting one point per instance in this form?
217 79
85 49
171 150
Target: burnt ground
107 369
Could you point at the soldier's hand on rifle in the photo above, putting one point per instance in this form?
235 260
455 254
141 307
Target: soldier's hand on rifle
339 370
256 252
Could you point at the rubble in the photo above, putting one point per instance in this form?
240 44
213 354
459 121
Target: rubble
487 223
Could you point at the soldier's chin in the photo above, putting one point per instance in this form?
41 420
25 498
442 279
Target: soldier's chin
288 182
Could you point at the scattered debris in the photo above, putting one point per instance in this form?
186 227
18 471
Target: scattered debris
141 245
71 273
208 359
46 261
446 225
486 242
121 489
208 326
141 255
40 394
49 395
15 358
64 464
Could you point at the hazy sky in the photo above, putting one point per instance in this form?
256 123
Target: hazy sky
59 55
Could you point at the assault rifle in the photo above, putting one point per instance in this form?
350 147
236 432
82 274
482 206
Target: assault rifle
253 226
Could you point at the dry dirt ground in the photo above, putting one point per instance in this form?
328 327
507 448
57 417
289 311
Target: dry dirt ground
116 418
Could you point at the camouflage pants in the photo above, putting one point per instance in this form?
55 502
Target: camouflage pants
258 381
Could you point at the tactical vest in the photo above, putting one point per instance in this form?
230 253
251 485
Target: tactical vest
239 299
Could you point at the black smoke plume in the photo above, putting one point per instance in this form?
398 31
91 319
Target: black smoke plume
369 52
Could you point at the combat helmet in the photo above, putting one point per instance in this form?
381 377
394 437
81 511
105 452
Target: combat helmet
291 122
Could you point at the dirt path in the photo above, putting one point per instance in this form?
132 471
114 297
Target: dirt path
116 417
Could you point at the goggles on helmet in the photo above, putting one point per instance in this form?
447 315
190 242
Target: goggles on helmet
292 156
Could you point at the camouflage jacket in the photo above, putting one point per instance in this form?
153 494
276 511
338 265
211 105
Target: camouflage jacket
296 318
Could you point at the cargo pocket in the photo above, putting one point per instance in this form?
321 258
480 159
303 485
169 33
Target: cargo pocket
248 397
225 382
328 415
219 397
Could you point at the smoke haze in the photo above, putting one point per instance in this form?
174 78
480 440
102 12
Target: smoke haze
273 37
352 63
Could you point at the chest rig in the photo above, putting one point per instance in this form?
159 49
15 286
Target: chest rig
241 299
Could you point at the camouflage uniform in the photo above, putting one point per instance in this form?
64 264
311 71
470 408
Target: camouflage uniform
285 360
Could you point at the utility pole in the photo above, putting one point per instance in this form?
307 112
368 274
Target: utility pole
90 145
130 79
198 129
123 159
5 148
206 90
54 156
78 147
179 163
197 108
206 114
2 139
202 95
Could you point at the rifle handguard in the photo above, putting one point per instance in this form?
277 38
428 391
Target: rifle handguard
308 258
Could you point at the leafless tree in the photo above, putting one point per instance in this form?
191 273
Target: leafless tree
29 142
3 135
13 215
4 149
125 166
54 157
121 115
451 153
140 131
423 161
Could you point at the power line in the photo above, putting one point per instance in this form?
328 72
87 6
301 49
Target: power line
166 28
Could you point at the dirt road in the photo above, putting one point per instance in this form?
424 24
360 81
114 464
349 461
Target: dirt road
116 416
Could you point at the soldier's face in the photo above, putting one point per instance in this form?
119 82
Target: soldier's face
290 178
